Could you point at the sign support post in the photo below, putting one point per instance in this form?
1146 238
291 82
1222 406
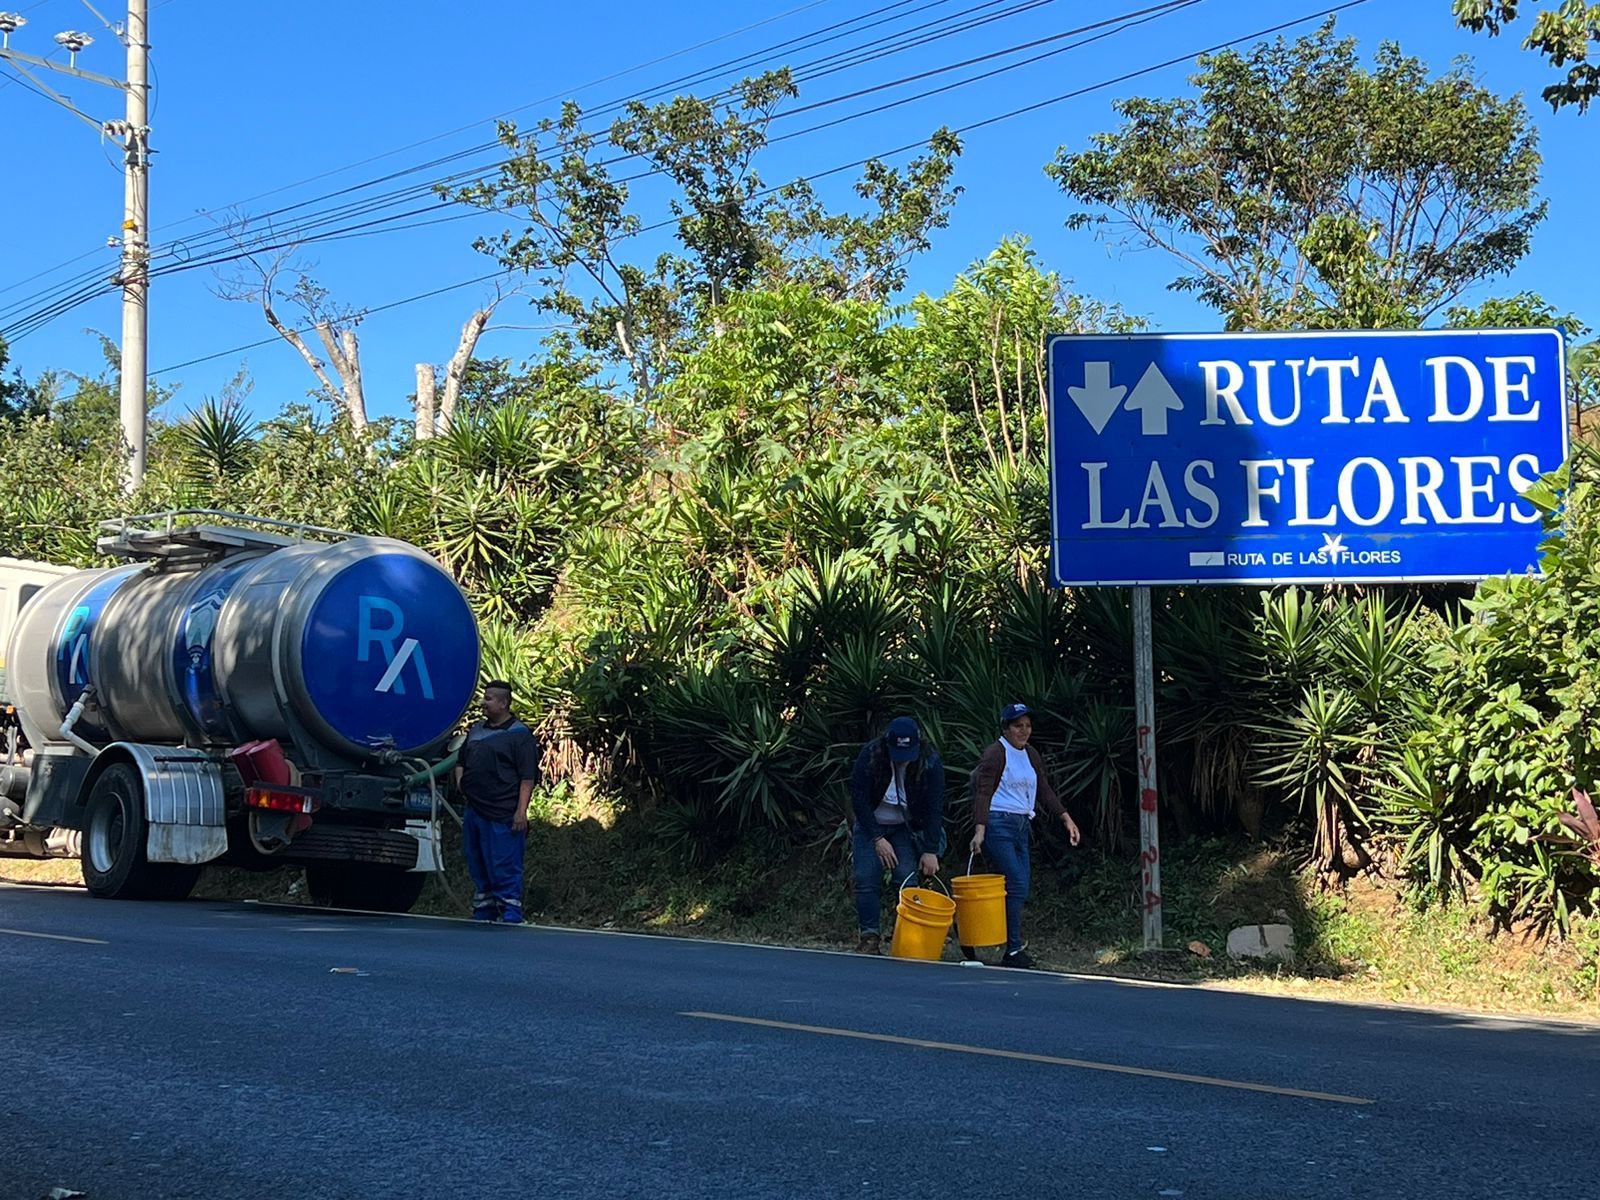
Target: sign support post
1144 709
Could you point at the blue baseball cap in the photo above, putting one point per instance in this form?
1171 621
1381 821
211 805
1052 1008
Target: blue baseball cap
903 739
1012 712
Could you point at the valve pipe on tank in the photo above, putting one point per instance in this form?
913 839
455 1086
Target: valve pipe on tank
76 711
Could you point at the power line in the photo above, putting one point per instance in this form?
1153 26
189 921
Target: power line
865 52
1009 115
815 38
975 125
475 124
300 235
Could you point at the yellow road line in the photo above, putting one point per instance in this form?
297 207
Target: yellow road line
54 937
1049 1059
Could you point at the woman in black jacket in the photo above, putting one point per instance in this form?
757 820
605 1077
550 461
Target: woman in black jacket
897 811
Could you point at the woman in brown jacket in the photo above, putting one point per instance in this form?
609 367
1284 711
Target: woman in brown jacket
1009 779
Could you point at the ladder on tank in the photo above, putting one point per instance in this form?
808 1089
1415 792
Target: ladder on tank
166 536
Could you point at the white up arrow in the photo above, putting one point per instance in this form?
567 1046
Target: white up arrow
1097 399
1152 398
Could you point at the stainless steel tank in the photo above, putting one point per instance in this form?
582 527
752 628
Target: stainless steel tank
348 647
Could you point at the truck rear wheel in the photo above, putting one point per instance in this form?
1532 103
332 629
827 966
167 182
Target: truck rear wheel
358 885
114 839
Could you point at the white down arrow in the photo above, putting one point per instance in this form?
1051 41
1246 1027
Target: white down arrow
1097 400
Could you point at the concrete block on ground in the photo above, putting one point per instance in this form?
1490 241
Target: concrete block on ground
1262 941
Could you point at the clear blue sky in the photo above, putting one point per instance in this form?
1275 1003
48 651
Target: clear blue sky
251 99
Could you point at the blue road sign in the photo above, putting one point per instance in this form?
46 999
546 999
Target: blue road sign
1300 457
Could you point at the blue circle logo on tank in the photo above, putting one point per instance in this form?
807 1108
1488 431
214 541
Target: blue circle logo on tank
390 652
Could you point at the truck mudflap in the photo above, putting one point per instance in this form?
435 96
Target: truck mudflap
183 801
327 842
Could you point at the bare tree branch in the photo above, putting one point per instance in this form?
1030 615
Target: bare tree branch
456 370
426 408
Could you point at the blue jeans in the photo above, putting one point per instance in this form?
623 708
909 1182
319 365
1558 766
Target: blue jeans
868 872
494 860
1005 844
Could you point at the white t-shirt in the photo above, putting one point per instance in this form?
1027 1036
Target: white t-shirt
891 809
1018 783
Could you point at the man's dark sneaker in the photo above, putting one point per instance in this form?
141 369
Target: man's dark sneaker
1017 958
511 915
870 943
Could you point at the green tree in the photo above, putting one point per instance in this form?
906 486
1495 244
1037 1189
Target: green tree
1529 310
975 365
1567 33
1299 188
732 231
17 399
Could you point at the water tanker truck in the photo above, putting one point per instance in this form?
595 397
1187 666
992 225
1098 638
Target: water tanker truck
235 690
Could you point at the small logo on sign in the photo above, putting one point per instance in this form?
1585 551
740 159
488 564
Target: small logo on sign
369 634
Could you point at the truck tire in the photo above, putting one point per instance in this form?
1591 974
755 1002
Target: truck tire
115 834
357 885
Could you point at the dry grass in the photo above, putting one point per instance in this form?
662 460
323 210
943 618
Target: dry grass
41 871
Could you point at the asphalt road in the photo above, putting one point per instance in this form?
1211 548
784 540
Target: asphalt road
209 1050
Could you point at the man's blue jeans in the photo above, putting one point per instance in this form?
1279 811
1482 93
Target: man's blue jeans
1005 845
494 860
868 872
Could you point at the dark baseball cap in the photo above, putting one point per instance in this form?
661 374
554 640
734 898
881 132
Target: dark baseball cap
903 739
1011 712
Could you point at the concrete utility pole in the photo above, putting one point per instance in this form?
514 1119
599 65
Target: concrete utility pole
135 274
134 133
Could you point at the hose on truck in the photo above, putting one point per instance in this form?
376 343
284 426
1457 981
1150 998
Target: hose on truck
430 774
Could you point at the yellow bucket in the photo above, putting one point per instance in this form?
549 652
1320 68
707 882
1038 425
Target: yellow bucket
922 924
980 909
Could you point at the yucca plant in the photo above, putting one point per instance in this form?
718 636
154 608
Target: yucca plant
941 635
694 831
1373 649
1095 766
785 649
1032 621
390 509
848 596
1289 637
860 687
829 515
1209 696
471 528
764 784
217 442
1433 832
1310 757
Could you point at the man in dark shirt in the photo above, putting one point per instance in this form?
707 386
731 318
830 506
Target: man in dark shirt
496 772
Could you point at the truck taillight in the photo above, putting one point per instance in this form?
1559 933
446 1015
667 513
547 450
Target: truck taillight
280 801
